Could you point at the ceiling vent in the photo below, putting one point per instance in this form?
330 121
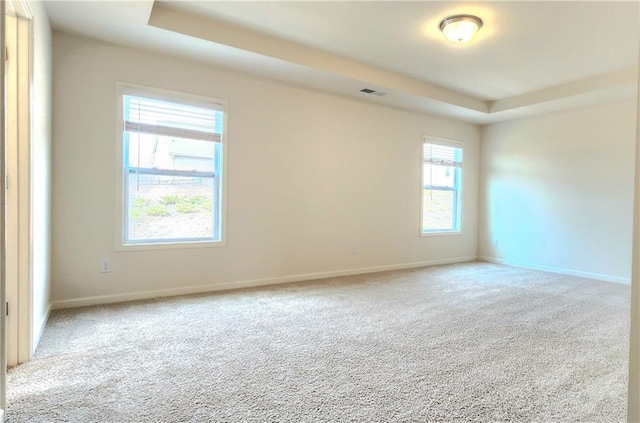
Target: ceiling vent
372 92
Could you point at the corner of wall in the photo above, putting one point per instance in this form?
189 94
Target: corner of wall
41 165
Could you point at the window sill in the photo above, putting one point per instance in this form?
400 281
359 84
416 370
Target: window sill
447 233
170 245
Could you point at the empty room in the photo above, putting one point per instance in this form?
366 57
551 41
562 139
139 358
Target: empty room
363 211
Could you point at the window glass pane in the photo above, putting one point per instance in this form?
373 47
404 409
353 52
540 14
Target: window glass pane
160 152
442 154
172 168
439 176
438 209
441 184
163 207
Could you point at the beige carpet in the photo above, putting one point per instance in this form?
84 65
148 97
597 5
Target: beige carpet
467 342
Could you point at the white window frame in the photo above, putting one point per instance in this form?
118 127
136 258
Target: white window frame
428 139
124 88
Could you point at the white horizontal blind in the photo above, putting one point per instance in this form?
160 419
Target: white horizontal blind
443 155
151 116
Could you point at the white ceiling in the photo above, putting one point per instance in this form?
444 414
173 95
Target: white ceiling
529 57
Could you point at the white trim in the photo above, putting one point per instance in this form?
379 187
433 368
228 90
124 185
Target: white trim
558 270
19 193
127 88
3 214
171 292
169 245
39 331
450 143
443 233
25 182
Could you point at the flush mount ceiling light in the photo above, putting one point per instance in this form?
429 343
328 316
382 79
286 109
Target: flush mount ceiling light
460 28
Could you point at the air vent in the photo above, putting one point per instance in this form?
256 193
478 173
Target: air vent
372 92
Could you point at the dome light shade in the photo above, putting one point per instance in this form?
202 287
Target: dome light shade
460 28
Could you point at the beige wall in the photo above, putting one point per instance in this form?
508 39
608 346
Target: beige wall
41 169
309 173
558 191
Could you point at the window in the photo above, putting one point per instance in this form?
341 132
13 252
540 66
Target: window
441 186
172 169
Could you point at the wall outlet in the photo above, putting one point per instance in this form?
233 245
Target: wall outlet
495 242
105 265
354 248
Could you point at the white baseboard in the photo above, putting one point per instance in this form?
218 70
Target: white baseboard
40 330
171 292
559 270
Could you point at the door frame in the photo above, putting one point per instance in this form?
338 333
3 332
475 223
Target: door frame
17 161
3 329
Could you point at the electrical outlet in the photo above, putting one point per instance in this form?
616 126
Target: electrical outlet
354 248
495 242
105 265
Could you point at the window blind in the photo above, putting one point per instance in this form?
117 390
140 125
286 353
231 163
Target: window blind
151 116
443 155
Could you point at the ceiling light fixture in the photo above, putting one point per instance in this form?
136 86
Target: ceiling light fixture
460 28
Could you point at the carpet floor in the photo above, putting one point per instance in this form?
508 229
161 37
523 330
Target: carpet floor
472 342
